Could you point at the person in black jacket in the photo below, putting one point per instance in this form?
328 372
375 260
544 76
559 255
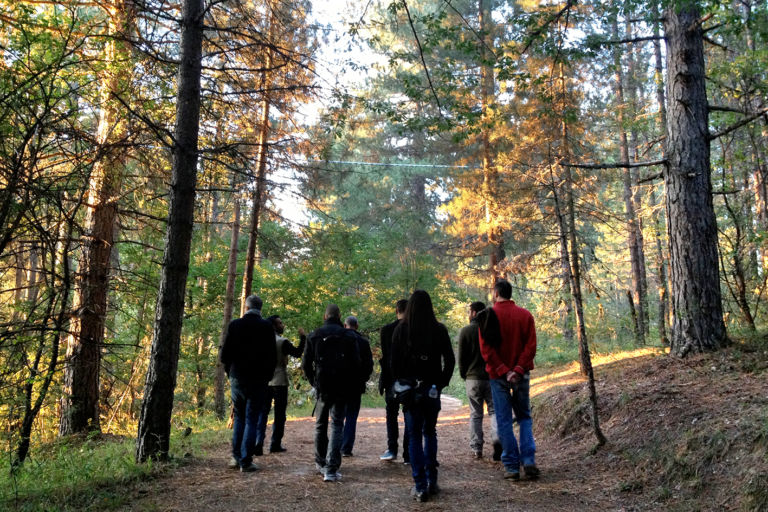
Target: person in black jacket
385 388
472 370
249 356
331 363
422 357
353 406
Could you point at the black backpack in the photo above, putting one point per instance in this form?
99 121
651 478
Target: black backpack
337 364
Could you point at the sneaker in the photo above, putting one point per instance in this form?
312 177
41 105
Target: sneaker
387 456
406 462
511 475
531 472
347 454
258 450
233 464
277 449
420 496
332 476
497 450
250 468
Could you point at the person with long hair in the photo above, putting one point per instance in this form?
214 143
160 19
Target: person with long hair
422 360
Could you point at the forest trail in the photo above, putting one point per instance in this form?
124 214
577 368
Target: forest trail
677 440
288 481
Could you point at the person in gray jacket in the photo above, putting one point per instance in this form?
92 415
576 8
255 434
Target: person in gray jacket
472 370
278 388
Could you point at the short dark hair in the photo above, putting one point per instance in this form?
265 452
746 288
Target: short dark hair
477 306
401 305
253 302
333 311
273 319
503 288
351 321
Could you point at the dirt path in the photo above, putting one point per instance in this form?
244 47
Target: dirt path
288 481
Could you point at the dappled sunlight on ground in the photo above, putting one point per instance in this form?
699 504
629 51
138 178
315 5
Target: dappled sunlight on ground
570 375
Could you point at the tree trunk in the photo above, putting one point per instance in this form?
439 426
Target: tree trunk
634 236
257 198
229 299
80 401
490 172
663 282
155 422
696 300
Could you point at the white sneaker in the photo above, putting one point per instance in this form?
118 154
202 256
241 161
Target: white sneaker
332 477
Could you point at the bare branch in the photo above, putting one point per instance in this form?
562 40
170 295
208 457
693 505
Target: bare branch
738 125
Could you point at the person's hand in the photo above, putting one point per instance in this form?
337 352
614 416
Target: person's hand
513 377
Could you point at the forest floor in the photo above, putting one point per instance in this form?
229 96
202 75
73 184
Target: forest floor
683 435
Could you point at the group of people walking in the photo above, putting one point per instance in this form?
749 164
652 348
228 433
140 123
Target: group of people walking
496 353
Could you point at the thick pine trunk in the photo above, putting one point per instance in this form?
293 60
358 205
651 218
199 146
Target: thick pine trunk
155 422
696 300
80 401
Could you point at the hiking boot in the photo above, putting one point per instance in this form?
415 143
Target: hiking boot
531 472
249 468
497 450
258 450
332 476
277 449
233 464
387 456
420 496
511 475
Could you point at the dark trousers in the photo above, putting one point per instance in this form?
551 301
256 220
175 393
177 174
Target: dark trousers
328 451
392 409
350 424
278 394
421 421
247 402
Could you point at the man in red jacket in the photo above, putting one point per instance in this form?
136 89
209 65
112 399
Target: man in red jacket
508 346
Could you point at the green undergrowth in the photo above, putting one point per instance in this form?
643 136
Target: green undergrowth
96 472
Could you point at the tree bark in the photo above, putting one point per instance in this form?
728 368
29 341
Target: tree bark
155 421
694 271
634 235
490 172
229 299
80 400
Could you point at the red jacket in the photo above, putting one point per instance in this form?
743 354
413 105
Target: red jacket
518 341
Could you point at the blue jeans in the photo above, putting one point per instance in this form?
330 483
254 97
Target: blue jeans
280 396
328 454
247 402
392 410
513 404
350 424
421 422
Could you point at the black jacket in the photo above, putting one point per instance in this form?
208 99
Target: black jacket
332 326
385 378
249 353
434 367
366 360
471 362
